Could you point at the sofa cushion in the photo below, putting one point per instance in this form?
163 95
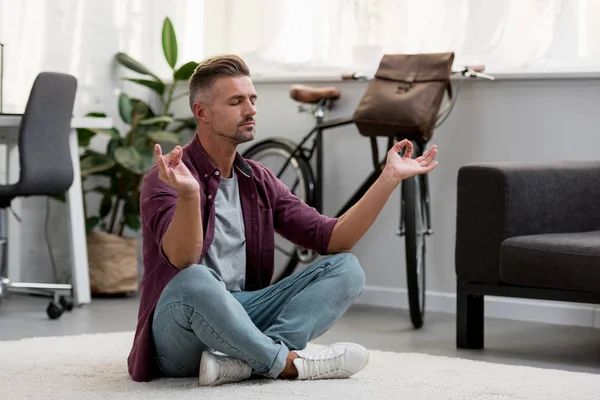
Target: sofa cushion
559 260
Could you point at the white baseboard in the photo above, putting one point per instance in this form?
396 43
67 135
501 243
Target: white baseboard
550 312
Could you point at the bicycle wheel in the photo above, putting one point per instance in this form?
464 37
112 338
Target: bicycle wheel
298 177
413 206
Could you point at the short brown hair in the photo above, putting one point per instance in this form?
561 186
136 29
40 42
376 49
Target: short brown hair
211 69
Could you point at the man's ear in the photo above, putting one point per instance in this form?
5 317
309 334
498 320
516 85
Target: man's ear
201 113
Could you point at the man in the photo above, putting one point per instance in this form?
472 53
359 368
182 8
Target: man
207 308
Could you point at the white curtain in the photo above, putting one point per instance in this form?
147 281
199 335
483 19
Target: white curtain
287 37
81 37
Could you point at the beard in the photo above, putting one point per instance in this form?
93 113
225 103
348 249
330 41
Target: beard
244 135
239 136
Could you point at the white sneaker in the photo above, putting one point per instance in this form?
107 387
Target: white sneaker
340 360
218 369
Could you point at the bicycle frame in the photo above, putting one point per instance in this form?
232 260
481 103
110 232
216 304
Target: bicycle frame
318 130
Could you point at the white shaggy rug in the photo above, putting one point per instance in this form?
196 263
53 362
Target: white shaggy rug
94 366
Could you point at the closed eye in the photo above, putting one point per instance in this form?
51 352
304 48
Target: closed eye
235 100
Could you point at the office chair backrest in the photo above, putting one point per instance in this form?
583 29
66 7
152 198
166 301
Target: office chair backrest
45 157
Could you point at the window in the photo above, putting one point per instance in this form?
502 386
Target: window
316 37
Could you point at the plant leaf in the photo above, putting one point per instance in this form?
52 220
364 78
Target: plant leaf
133 221
155 120
157 86
169 42
135 160
84 136
164 137
142 108
92 163
112 146
186 123
90 223
134 65
125 108
185 71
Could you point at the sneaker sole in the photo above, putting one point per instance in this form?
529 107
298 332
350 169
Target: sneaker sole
203 367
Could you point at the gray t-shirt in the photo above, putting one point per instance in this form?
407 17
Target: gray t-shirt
227 253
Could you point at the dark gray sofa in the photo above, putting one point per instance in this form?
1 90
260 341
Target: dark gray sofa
528 230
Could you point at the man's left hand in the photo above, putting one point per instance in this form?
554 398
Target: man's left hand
402 167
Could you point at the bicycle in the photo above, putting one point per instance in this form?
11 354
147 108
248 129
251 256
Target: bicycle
415 216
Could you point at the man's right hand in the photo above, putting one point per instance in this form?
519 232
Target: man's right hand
175 173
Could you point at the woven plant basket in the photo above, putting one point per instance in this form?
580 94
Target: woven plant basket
113 263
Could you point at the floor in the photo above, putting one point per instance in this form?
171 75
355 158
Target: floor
508 342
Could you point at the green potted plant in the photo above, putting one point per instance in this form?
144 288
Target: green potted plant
116 173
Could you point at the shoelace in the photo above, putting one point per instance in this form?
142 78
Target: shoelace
230 369
322 364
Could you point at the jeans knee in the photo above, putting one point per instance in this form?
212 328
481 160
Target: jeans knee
193 282
351 273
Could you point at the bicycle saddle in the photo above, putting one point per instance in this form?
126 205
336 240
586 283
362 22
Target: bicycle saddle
309 94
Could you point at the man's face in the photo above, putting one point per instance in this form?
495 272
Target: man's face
232 109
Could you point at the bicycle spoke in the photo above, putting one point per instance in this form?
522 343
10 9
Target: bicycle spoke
293 188
295 173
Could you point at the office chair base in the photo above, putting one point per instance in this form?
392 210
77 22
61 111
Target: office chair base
56 306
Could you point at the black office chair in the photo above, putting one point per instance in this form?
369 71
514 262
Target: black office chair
46 169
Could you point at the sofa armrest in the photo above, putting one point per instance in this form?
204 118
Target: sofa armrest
500 200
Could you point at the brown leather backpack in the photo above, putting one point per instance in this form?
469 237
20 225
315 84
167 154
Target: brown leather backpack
404 98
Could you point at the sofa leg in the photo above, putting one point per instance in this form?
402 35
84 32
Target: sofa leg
469 320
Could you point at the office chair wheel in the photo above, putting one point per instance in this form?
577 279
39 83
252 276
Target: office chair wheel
53 310
66 303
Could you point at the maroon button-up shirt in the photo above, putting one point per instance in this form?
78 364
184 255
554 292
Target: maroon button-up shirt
267 206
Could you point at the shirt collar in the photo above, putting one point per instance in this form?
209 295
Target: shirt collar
206 167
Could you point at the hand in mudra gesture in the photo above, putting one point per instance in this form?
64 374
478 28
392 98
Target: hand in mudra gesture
174 172
405 166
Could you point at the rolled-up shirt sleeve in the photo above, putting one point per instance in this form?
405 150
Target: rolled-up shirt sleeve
157 206
298 222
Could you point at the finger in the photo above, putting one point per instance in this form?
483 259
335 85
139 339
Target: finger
171 175
178 155
409 150
399 146
429 155
160 160
173 153
170 156
430 167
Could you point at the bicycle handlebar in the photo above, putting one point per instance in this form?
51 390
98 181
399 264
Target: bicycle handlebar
356 76
477 68
473 71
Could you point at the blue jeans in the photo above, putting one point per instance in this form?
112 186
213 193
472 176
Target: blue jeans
195 313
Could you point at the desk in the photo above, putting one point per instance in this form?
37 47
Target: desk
9 131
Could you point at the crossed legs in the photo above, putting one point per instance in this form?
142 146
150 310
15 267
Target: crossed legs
196 313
